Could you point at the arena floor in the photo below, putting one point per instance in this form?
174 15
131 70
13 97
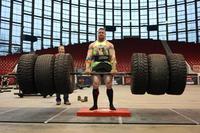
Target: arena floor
150 113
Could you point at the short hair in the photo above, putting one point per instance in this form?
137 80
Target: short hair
102 28
61 45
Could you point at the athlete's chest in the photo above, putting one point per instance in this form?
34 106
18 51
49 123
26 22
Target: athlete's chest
100 49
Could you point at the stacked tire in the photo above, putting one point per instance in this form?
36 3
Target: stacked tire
178 74
46 74
158 74
64 81
43 73
25 74
155 74
139 70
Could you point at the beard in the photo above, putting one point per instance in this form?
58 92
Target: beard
101 38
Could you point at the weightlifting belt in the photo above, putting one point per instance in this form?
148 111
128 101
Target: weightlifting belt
101 58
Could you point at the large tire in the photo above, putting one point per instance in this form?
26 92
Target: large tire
44 74
25 73
139 70
158 74
64 82
71 77
178 74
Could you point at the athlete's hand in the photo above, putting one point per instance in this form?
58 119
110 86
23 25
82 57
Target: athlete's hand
87 71
113 72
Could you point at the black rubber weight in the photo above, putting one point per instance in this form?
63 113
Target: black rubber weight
178 74
139 69
44 66
64 82
158 74
71 70
25 73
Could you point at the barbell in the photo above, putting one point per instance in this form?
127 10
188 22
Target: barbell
155 74
100 73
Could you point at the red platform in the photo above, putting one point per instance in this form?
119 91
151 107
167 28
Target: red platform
104 112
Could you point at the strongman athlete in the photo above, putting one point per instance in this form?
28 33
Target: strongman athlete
101 58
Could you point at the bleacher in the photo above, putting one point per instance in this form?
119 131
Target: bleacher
124 50
190 51
8 63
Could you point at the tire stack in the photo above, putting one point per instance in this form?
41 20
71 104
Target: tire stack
45 74
155 74
158 74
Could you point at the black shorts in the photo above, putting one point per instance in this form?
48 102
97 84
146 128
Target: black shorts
102 67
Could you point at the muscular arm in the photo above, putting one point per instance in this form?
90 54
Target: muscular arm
113 57
88 58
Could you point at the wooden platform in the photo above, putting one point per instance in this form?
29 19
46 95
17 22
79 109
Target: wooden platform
104 112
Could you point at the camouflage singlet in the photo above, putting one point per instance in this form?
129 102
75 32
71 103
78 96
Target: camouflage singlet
101 56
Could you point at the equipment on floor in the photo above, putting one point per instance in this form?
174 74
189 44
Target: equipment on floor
155 74
85 99
4 86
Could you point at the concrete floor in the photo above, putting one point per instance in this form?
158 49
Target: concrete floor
122 99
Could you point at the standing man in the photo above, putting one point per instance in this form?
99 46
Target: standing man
101 58
61 50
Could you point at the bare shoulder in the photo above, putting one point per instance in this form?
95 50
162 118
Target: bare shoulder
91 45
110 44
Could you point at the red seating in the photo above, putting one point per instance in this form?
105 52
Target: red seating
8 63
189 50
124 50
